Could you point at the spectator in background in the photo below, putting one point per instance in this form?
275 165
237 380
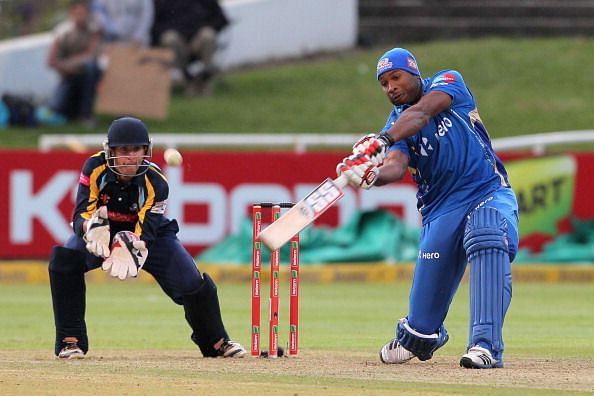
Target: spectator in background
190 28
73 54
28 18
125 21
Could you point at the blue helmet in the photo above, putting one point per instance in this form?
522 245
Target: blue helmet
127 131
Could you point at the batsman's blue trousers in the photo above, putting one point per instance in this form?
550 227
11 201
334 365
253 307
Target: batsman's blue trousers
442 259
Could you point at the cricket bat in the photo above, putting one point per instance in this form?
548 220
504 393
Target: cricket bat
303 213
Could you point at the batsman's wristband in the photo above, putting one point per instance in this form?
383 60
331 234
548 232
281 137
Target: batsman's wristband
386 139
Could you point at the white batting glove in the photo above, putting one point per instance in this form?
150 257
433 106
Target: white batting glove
97 235
128 254
374 146
360 171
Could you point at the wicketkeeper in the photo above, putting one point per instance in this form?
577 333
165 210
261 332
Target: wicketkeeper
469 210
119 225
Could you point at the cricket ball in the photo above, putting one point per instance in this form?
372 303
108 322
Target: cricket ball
173 157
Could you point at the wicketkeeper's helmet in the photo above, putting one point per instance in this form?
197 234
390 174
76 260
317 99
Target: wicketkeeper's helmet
127 131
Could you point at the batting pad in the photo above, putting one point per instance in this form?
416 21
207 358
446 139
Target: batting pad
490 278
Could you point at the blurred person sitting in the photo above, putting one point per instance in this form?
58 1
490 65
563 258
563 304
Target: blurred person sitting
28 18
190 28
125 21
73 54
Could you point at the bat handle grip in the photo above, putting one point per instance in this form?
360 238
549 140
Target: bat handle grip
341 181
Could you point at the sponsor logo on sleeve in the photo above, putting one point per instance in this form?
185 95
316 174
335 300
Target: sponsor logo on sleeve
159 207
443 79
84 180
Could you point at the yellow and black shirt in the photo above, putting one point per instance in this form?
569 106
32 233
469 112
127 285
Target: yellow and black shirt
136 206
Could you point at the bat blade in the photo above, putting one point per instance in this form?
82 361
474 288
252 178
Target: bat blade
303 213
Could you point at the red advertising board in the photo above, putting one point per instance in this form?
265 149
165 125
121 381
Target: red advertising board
209 194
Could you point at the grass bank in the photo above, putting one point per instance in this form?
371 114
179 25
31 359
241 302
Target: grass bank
523 86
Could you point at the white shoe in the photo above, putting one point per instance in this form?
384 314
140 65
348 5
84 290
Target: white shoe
232 349
71 350
394 353
479 358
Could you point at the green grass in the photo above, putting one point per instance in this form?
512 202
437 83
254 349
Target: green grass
544 320
523 86
140 344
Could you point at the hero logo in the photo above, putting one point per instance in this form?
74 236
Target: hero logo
428 255
34 204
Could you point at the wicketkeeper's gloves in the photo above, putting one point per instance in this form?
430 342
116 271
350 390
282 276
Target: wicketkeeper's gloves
128 254
97 235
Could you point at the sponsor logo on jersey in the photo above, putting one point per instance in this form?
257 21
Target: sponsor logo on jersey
84 180
443 79
428 255
159 207
383 64
443 127
425 147
449 77
122 217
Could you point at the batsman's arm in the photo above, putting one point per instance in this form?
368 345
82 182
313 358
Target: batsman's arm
418 115
393 169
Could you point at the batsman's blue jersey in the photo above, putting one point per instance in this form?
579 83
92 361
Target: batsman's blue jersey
451 158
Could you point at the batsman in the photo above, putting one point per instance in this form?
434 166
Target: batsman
119 225
469 210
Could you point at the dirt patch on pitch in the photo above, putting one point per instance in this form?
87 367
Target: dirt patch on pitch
559 374
180 372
